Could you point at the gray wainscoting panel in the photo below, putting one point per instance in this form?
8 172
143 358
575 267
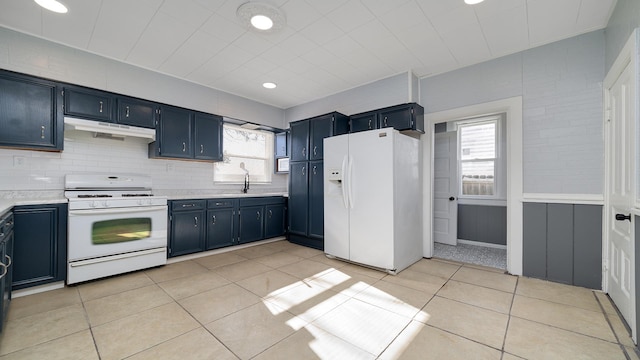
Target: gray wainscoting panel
563 243
534 240
560 243
587 246
483 223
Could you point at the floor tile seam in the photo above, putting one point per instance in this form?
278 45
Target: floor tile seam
407 287
198 293
475 306
118 292
462 336
391 311
41 312
482 286
564 329
130 315
93 338
560 303
44 312
488 269
506 331
122 292
393 340
615 334
52 340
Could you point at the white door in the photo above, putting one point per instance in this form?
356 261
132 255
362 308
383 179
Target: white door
445 205
619 150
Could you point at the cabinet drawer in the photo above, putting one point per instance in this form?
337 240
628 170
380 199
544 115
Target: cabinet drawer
186 205
221 203
257 201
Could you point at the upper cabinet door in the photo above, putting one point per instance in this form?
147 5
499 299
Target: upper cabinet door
397 118
208 137
300 140
137 112
30 113
89 104
321 127
363 122
175 132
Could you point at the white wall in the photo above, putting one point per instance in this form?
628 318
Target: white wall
393 90
561 86
34 56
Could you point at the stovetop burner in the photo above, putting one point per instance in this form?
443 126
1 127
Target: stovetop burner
94 196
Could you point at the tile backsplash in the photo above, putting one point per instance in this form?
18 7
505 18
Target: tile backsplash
24 171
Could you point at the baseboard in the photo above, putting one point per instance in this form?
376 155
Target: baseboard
222 250
484 244
37 289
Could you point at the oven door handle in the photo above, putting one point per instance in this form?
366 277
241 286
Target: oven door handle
117 210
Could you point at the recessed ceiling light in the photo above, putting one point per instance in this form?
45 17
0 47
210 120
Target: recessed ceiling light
261 17
261 22
269 85
473 2
53 5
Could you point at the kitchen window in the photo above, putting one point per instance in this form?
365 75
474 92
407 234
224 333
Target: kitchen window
478 159
244 151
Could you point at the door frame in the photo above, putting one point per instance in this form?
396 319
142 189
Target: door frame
513 109
627 56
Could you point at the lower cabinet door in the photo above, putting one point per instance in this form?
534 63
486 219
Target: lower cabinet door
299 198
316 200
251 223
40 245
219 228
274 220
187 232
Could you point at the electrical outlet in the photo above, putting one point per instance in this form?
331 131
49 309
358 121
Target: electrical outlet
19 161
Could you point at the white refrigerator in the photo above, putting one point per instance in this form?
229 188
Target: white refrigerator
373 199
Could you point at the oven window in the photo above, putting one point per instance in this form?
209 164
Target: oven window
120 230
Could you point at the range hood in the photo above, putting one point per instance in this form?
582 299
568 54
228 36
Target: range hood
108 130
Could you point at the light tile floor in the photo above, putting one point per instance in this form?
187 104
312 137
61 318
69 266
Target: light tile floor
283 301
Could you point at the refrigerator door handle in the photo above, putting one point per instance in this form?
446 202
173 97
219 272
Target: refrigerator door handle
345 180
350 182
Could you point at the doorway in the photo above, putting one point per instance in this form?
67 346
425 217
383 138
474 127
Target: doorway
470 167
512 107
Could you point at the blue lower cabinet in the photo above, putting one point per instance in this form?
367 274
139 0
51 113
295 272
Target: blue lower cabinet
40 245
200 225
6 259
251 223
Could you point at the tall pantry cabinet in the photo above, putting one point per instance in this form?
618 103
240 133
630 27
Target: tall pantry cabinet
306 196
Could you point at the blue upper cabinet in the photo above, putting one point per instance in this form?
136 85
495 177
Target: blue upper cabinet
404 117
208 137
30 113
186 134
300 140
136 112
89 104
364 121
174 135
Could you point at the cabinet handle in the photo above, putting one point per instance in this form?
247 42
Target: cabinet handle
304 151
385 121
10 261
5 270
201 148
42 132
184 146
303 170
314 170
270 214
127 112
314 150
369 124
258 213
213 219
100 106
188 205
195 223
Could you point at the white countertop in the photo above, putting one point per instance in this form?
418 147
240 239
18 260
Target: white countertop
7 204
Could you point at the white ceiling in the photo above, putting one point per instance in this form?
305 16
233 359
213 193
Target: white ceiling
326 47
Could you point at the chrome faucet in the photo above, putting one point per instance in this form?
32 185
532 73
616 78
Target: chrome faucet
246 178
